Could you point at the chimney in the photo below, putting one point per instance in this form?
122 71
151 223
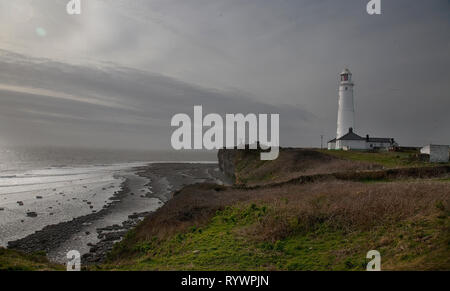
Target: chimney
350 130
367 138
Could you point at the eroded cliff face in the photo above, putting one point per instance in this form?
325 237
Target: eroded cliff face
227 159
235 163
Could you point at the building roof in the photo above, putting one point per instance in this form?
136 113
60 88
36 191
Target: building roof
380 139
353 136
350 136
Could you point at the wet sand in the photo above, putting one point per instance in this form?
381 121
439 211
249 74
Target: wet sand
143 192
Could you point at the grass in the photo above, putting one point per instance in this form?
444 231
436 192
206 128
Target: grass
225 244
291 163
386 159
212 247
11 260
319 226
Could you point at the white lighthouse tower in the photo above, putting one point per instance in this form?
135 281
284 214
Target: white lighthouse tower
346 113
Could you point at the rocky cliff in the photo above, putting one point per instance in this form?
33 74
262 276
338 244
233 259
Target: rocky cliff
227 160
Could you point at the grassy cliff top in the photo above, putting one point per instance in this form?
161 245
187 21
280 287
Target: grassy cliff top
317 226
292 163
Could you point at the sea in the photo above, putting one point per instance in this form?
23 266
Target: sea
40 186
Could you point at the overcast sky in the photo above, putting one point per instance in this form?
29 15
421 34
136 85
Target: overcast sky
115 75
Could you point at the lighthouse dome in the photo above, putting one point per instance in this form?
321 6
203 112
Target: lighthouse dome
346 72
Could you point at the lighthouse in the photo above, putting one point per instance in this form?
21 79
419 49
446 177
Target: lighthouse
346 112
346 138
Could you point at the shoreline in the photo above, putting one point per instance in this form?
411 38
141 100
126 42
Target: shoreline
51 236
163 179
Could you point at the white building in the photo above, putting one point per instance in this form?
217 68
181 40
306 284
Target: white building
437 153
346 139
352 141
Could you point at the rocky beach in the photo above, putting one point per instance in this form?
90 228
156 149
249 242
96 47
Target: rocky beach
144 189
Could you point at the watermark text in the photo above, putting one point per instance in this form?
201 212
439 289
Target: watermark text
237 129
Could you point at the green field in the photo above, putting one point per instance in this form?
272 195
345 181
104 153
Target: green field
386 159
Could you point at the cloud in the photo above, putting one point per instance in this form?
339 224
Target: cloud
154 56
58 103
60 95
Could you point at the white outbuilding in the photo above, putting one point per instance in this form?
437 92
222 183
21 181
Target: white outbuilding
437 153
352 141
